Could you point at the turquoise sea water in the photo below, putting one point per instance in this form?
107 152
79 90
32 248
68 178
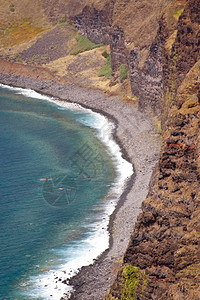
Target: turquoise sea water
55 181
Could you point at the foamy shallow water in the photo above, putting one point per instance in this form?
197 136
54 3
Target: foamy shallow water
48 285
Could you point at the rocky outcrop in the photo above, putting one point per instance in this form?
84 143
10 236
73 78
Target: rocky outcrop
94 23
119 53
98 26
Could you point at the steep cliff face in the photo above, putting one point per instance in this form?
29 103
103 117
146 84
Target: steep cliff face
165 243
136 33
187 44
146 81
163 258
184 50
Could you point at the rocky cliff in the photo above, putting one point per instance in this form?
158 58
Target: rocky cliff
139 34
163 257
158 42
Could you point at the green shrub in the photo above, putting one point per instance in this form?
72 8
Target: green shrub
35 56
84 44
106 70
123 73
105 54
130 280
62 20
132 277
12 7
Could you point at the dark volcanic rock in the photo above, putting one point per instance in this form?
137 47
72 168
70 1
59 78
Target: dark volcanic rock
117 47
95 24
187 44
52 46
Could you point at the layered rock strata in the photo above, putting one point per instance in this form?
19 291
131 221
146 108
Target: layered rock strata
163 256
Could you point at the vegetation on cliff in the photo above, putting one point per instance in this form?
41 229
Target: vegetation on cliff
106 69
84 44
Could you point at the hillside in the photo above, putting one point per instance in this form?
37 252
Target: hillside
151 57
41 35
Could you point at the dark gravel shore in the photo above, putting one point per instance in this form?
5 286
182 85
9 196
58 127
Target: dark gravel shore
140 143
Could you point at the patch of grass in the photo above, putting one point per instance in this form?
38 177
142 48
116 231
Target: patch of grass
178 13
35 56
131 278
106 70
74 29
12 7
158 124
130 281
62 20
18 57
16 33
84 44
123 73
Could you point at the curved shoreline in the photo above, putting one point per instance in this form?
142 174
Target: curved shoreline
139 142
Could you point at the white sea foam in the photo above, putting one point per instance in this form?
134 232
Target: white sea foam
26 92
48 285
